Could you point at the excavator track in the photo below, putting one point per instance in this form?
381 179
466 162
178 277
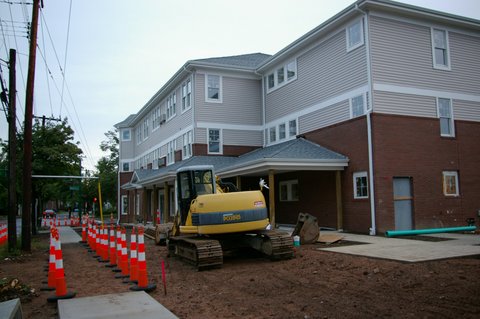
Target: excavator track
277 245
200 252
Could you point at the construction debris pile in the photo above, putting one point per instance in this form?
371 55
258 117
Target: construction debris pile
11 288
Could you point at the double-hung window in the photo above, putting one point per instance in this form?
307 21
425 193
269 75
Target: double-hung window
440 51
214 141
186 95
187 145
126 135
445 114
213 88
171 106
360 185
355 35
282 75
171 146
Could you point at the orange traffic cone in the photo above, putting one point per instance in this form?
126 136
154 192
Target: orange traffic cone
133 258
60 284
51 264
124 258
142 266
96 241
113 250
84 232
119 250
103 245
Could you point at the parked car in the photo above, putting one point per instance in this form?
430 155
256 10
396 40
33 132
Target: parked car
49 213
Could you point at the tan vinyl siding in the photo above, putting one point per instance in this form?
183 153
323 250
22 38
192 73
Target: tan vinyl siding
405 104
239 137
327 116
466 110
323 72
402 54
241 101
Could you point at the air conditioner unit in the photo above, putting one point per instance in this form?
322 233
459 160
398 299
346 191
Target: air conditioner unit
163 118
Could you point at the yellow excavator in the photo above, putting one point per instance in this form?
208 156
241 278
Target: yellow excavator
213 218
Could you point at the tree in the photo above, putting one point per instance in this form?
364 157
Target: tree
107 169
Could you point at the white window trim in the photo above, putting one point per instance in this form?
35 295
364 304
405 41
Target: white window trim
355 176
362 40
137 204
124 208
172 98
130 134
187 107
220 147
454 174
220 89
286 80
452 121
171 148
447 67
364 99
289 184
187 139
277 132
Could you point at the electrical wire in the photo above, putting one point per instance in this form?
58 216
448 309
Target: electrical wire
66 53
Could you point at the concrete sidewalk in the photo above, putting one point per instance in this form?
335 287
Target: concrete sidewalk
68 235
409 250
128 305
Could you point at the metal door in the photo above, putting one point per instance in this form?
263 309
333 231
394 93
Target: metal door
403 203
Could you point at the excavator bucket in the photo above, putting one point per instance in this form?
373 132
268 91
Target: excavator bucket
307 228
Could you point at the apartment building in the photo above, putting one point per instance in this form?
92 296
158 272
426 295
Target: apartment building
370 122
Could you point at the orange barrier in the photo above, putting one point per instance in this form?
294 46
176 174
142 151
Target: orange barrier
113 250
119 250
60 283
3 234
103 245
124 258
133 257
51 264
142 266
84 232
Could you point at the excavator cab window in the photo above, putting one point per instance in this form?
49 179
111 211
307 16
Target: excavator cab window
203 182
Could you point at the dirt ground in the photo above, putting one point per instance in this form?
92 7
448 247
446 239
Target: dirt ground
316 284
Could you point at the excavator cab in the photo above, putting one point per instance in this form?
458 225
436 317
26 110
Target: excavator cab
191 182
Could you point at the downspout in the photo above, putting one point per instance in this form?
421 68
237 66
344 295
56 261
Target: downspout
263 108
373 229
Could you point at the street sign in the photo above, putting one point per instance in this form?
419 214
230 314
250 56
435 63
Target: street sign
75 188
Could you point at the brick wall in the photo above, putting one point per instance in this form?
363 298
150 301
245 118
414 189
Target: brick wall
412 147
349 139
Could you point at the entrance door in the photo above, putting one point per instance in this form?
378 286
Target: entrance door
403 203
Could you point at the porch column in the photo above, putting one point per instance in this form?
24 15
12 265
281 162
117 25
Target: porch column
239 183
155 204
166 202
338 191
144 204
271 196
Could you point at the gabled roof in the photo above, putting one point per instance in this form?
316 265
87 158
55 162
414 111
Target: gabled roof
293 155
249 61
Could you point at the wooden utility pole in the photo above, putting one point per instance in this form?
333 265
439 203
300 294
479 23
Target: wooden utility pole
27 145
12 154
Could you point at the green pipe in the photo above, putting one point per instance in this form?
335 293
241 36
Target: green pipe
393 233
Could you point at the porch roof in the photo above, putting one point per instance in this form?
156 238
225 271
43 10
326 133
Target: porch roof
294 155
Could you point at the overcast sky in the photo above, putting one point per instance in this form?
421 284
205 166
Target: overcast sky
120 53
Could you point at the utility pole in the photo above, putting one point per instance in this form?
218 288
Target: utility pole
27 146
12 155
44 118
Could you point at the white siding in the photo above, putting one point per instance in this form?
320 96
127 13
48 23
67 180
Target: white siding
327 116
466 110
402 54
405 104
241 101
323 72
237 137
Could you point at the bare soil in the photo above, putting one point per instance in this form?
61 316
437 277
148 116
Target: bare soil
316 284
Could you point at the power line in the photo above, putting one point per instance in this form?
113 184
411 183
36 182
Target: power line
66 53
